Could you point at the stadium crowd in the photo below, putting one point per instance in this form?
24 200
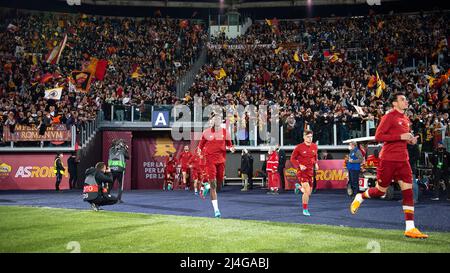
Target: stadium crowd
145 59
320 91
334 70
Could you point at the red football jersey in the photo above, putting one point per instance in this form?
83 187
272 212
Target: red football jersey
305 155
392 125
214 145
184 158
197 162
171 165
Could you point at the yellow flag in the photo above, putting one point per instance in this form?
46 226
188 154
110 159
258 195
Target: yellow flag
136 73
269 22
431 80
334 58
92 67
380 86
291 70
34 59
379 91
278 50
296 58
221 74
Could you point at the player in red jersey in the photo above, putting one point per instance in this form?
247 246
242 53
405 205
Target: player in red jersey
198 164
214 143
394 132
304 159
184 159
169 172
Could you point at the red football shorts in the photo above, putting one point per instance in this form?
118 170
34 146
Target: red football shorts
305 177
393 170
196 174
215 171
184 168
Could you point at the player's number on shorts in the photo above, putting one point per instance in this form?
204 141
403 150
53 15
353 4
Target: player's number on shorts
374 247
74 246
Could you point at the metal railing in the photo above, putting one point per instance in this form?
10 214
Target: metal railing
87 133
328 137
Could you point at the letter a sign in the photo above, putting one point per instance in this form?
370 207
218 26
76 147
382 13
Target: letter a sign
160 119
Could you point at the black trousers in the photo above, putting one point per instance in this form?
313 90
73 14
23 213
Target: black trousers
73 179
58 181
281 178
119 177
102 200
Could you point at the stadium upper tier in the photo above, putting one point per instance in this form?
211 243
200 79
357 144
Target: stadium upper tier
308 67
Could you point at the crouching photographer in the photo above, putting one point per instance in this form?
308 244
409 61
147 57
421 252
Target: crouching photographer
95 186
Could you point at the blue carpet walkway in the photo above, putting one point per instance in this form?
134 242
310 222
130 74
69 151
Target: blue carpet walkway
326 207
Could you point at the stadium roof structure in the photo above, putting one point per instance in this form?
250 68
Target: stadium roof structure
257 10
233 4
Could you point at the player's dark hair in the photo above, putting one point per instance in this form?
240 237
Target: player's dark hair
307 132
394 97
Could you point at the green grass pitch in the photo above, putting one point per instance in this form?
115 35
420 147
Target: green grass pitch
27 229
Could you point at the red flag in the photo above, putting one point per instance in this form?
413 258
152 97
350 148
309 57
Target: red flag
101 69
46 77
392 58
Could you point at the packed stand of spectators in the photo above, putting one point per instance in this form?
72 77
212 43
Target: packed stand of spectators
158 50
317 92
